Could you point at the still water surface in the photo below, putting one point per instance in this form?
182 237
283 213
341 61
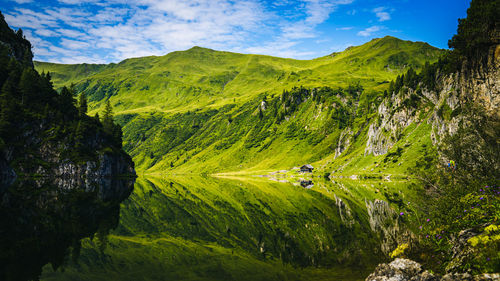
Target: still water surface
206 228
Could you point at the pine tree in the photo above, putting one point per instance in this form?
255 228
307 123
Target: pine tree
67 103
28 85
97 119
8 110
391 87
107 118
82 105
117 135
79 135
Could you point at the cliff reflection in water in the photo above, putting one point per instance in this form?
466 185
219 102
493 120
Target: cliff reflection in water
42 221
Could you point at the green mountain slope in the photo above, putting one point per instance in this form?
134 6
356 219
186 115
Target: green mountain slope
208 111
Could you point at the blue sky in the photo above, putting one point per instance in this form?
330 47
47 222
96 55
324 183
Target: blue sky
97 31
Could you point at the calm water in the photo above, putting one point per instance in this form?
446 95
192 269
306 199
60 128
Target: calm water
196 228
42 220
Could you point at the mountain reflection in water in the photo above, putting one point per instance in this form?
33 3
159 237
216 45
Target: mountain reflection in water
43 220
206 228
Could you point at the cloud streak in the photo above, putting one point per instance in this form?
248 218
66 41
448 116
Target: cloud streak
369 31
110 31
382 14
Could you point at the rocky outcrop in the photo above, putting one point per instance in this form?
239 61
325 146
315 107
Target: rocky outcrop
408 270
393 118
50 159
344 142
477 84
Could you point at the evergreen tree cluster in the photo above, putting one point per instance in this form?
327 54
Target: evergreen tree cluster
30 106
475 34
479 31
412 80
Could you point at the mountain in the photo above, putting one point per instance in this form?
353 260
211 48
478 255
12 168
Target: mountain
198 110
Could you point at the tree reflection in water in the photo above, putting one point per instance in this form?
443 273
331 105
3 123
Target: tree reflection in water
42 221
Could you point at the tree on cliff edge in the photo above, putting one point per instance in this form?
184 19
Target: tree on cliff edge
480 30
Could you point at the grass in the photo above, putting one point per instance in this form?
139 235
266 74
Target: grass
196 111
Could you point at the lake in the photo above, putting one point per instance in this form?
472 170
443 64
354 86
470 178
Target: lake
208 228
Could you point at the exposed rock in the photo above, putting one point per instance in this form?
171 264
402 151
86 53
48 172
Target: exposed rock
345 212
344 141
386 223
408 270
479 84
393 120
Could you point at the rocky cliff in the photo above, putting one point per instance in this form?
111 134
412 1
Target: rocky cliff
442 106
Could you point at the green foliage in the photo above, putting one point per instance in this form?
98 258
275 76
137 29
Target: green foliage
82 104
465 198
479 30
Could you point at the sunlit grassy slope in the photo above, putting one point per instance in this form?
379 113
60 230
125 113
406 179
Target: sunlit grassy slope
198 110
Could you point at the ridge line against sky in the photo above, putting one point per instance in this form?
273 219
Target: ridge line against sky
97 31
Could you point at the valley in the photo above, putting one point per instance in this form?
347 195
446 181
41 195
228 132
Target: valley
205 111
377 163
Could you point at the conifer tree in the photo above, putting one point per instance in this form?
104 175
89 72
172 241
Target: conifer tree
82 104
79 135
28 85
7 109
391 87
117 135
107 118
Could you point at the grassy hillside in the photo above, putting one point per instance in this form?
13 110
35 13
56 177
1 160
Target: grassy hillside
202 110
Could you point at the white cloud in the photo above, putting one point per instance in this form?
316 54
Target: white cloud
74 44
345 28
22 1
382 14
120 29
368 32
46 32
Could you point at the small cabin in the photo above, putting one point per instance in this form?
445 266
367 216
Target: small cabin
306 168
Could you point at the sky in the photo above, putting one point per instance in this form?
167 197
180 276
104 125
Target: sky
98 31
